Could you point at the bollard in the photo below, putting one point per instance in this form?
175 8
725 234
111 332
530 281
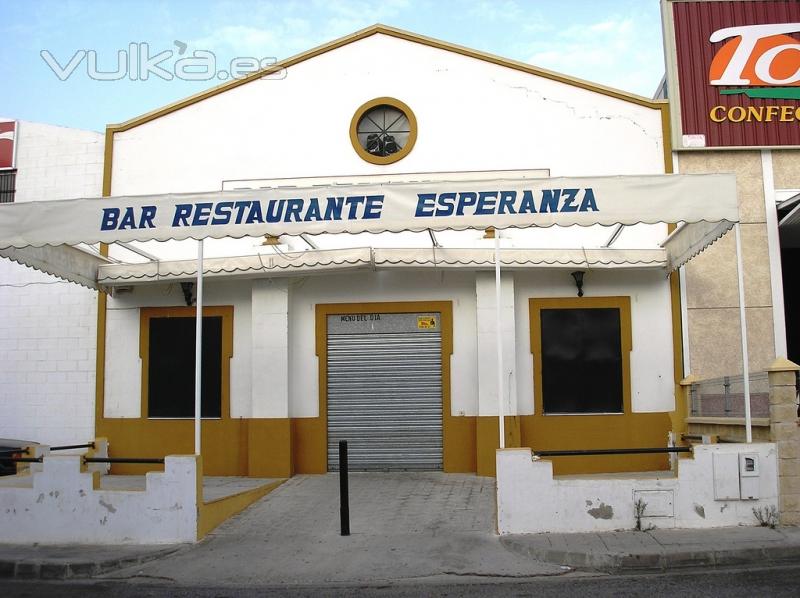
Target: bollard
344 493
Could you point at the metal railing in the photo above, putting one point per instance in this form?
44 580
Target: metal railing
617 451
157 460
68 447
724 397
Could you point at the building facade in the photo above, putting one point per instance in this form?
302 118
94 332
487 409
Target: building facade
48 332
732 79
391 349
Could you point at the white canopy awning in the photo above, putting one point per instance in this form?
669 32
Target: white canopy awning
323 261
688 240
70 263
707 203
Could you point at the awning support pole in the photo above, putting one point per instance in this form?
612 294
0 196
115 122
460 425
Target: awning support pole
499 340
198 349
748 423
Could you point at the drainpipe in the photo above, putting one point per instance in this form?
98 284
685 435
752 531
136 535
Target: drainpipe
499 338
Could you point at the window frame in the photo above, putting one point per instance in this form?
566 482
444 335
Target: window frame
11 173
391 158
623 304
226 353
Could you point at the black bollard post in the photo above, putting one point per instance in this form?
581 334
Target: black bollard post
344 491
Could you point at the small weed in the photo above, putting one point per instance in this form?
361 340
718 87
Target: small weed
639 508
766 516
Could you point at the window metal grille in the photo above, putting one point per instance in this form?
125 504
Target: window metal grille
8 184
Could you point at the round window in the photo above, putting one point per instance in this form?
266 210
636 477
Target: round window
383 131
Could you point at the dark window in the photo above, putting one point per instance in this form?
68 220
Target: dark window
8 185
581 361
170 387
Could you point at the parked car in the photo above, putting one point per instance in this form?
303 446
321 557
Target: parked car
12 448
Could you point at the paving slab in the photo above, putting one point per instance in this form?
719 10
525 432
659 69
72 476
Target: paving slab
403 526
71 562
661 549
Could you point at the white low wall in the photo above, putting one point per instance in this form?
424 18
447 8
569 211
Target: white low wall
530 500
62 505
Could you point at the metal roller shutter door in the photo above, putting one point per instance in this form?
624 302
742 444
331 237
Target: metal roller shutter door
385 391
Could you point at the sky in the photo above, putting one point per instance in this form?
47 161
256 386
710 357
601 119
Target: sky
68 62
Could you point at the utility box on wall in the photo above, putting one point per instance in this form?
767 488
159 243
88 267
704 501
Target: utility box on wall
736 476
748 476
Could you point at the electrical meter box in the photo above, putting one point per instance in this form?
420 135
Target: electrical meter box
748 476
726 477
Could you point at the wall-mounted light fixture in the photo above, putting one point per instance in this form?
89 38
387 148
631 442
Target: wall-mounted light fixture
578 276
187 288
271 240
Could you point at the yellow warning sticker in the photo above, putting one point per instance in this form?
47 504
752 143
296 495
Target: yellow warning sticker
426 322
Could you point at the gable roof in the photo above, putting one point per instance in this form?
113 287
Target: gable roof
111 129
393 32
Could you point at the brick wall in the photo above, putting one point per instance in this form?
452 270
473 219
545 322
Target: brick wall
48 326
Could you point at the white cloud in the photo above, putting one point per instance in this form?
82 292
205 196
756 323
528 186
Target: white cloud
496 11
617 51
241 38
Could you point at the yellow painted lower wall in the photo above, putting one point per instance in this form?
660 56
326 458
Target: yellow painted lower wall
488 440
460 455
213 513
575 432
154 438
280 448
310 445
269 448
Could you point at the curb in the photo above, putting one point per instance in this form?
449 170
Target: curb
49 570
658 561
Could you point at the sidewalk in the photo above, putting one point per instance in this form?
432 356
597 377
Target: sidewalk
659 550
73 562
404 527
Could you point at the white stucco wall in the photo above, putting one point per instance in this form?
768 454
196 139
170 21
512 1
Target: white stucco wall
123 365
62 506
486 323
530 500
466 109
273 388
652 386
48 326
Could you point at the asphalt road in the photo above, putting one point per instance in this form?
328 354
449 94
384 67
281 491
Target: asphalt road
773 582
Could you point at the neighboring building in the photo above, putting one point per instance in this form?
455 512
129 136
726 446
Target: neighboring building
48 329
734 85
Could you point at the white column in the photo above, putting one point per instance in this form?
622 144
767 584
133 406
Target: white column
490 335
687 363
743 322
270 348
774 247
198 350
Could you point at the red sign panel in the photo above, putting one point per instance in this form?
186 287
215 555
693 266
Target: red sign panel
8 132
738 68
